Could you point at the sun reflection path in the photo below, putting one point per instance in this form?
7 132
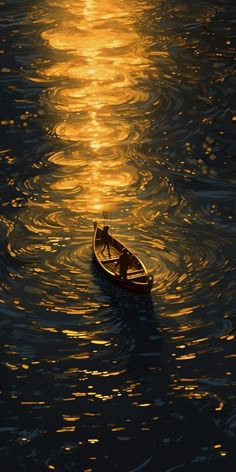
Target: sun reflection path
100 64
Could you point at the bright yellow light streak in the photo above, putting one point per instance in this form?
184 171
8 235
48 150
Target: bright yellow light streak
66 429
186 358
220 407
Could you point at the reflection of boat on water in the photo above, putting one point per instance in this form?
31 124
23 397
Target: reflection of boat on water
137 278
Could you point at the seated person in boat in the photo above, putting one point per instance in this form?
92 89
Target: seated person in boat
106 240
124 262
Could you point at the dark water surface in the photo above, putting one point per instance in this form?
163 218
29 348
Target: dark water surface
127 108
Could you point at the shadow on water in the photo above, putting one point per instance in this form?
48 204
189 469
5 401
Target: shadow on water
137 313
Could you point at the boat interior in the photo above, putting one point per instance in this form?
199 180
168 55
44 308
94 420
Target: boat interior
135 271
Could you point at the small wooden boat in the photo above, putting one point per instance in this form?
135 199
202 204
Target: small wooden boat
137 278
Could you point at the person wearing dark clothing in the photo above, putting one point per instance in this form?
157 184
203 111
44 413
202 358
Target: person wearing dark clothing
124 262
106 240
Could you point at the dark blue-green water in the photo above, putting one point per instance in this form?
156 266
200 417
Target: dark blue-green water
123 112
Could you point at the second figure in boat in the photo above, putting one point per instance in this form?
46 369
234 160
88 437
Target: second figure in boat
124 262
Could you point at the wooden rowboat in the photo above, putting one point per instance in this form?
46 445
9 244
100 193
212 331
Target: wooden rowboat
137 278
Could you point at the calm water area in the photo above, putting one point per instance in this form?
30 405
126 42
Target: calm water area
122 112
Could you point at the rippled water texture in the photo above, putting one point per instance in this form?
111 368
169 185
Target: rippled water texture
123 112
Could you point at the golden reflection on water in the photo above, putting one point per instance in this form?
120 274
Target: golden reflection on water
102 57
